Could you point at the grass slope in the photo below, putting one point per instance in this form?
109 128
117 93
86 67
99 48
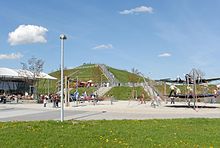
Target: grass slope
125 76
87 72
185 133
125 93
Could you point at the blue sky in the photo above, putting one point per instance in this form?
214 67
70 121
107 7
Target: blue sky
159 38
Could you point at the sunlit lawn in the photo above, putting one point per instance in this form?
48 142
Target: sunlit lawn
125 92
124 133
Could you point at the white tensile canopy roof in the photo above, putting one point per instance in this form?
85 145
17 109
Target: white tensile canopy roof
19 73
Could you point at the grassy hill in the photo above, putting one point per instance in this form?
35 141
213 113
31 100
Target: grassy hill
87 72
124 76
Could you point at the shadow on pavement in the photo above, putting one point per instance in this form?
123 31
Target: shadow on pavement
89 115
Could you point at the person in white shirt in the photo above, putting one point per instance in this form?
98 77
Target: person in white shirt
172 90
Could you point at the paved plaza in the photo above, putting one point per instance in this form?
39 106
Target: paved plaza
104 110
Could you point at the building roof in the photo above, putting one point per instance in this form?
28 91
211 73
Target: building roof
19 73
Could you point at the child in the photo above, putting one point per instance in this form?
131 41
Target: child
45 101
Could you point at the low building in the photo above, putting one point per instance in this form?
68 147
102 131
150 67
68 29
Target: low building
17 81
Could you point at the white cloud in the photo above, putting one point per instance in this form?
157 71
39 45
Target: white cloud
11 56
137 10
27 34
164 55
103 46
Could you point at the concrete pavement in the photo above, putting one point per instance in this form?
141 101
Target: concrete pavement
104 110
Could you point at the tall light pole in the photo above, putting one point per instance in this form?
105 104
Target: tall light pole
62 38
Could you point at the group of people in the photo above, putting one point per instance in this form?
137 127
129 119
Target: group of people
175 91
54 98
84 97
11 97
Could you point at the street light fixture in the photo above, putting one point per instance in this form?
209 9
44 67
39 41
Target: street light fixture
62 38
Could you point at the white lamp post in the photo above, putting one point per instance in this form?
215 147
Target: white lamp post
62 38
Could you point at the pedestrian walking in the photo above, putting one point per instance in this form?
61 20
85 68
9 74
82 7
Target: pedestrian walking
45 102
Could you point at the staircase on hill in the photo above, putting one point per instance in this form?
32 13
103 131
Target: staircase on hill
112 80
164 98
151 90
102 90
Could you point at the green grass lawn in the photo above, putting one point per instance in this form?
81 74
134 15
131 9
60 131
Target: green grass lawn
123 133
125 93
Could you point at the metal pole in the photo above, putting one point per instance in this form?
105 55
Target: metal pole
77 83
194 88
48 87
101 80
62 37
61 94
68 94
165 89
66 91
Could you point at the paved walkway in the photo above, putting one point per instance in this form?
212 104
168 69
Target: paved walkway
104 110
